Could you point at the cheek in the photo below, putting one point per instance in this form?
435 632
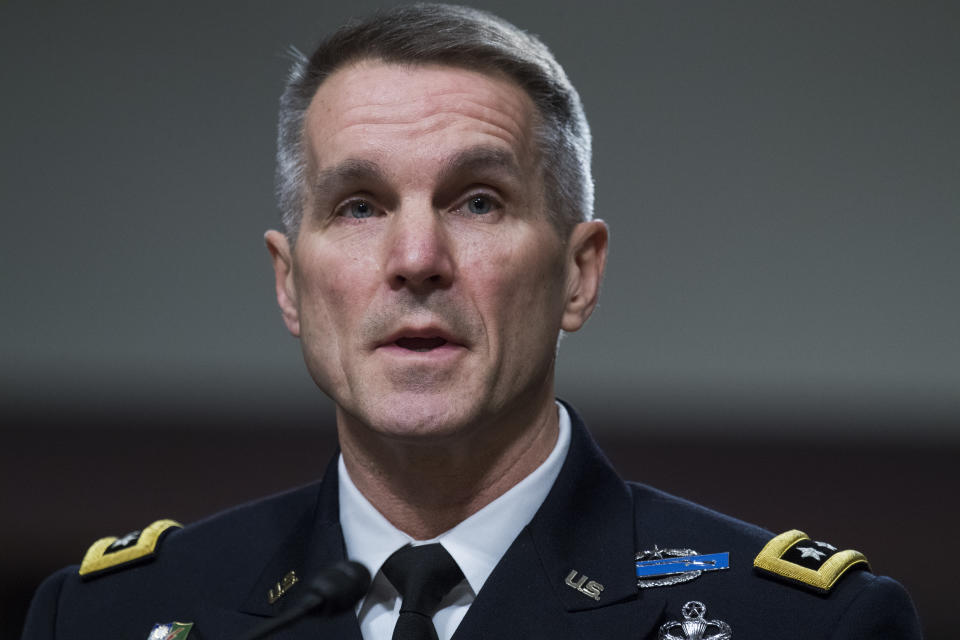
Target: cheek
521 292
331 299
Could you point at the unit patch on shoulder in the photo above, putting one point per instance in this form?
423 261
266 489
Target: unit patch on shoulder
794 556
137 546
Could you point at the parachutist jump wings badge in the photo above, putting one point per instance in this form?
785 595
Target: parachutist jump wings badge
695 626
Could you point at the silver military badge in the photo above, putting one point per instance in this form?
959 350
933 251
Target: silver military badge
695 626
664 567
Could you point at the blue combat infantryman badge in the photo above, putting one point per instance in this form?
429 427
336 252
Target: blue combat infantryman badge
695 626
663 567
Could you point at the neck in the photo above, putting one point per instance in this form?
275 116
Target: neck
427 488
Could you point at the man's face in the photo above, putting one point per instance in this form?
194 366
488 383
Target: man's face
427 284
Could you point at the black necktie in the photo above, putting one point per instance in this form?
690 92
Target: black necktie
423 575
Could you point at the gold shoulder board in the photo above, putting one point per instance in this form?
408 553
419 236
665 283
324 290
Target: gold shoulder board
112 552
794 556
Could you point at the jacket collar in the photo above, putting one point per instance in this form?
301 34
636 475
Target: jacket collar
313 544
586 525
583 532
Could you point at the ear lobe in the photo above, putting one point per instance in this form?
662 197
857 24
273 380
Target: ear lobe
279 247
586 260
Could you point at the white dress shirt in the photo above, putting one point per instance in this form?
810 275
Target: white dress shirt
477 543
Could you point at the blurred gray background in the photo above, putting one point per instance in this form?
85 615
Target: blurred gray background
781 181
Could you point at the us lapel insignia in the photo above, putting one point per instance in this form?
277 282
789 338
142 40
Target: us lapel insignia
663 567
281 588
583 584
170 631
695 626
795 557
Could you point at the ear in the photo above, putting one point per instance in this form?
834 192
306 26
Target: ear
279 247
586 260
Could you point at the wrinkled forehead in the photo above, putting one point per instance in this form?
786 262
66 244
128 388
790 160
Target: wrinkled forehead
371 103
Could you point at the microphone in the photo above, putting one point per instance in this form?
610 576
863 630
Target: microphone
335 589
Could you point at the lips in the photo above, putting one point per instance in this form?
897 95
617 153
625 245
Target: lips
421 340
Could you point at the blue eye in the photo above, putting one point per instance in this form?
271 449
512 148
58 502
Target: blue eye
479 205
358 209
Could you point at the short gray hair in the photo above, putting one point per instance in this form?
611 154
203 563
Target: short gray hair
454 36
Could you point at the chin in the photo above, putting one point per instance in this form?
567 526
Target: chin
425 417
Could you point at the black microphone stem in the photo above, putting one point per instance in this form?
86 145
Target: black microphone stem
333 590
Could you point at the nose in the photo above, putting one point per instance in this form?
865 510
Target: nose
419 254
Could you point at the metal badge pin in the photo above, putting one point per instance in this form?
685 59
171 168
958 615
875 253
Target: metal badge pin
663 567
170 631
589 588
695 626
278 590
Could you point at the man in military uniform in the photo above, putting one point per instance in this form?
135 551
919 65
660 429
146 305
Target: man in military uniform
434 179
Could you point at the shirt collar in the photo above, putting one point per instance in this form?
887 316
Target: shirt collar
477 543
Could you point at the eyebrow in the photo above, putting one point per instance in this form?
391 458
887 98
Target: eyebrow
481 159
349 171
473 160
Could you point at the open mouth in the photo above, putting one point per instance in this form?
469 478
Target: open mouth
420 344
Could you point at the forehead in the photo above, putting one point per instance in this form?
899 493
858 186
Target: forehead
373 107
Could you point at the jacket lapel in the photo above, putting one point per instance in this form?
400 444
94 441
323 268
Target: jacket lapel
314 544
570 572
583 533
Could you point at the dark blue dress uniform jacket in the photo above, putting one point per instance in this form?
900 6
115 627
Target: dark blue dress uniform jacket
217 573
